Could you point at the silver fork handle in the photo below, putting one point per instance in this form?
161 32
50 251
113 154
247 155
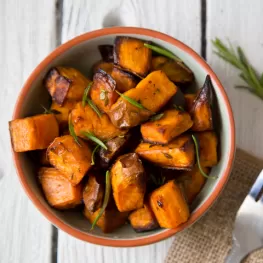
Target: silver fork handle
236 253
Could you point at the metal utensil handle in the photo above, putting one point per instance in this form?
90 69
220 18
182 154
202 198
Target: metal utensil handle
236 254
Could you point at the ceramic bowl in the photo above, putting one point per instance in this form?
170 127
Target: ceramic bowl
81 53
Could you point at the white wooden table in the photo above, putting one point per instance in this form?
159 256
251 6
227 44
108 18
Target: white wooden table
30 29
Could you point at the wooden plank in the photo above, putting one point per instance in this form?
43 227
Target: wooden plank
27 35
180 19
242 23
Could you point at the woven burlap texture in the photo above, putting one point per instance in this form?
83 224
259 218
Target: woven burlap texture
209 240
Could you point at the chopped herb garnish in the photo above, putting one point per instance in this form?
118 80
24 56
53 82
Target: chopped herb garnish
50 111
86 94
131 101
72 131
159 180
93 138
157 117
105 200
168 156
104 96
178 107
198 159
163 52
93 153
94 107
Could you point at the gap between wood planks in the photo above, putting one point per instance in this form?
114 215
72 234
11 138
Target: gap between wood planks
59 24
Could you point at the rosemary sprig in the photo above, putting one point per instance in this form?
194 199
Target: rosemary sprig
93 153
178 107
131 101
238 59
86 94
93 138
163 52
157 117
94 107
72 131
158 181
198 160
105 200
50 111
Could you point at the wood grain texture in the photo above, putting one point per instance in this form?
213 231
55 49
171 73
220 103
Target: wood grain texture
27 35
241 23
180 19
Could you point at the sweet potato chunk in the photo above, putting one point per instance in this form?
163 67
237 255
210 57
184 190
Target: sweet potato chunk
102 91
115 146
192 182
178 154
65 83
70 158
175 71
110 220
169 205
93 193
189 101
201 111
42 156
85 119
59 192
106 52
153 93
171 124
124 80
208 148
33 133
143 219
131 55
102 65
128 182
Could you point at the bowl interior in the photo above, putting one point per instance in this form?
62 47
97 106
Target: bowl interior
82 56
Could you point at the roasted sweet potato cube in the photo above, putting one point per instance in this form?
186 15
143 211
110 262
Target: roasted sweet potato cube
208 148
189 101
143 219
59 192
65 83
201 110
171 124
115 146
102 91
102 65
106 52
43 160
64 110
169 205
70 158
33 133
85 119
131 55
93 193
128 182
153 93
124 80
110 220
178 154
175 71
192 182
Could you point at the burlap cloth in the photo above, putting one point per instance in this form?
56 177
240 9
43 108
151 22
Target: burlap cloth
209 240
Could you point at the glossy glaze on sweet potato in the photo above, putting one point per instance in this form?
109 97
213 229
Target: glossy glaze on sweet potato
124 80
102 91
143 219
59 192
106 52
201 111
178 154
170 125
85 119
102 65
169 205
207 148
152 93
175 71
93 193
65 83
33 133
131 54
192 182
115 146
70 158
128 182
